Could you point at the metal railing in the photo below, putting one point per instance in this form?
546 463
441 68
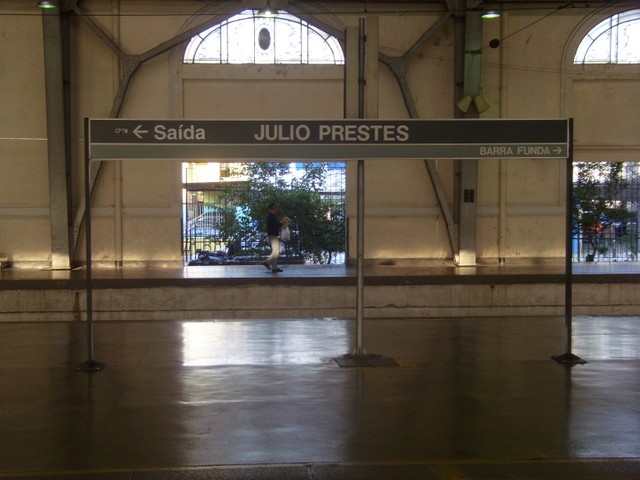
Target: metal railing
614 241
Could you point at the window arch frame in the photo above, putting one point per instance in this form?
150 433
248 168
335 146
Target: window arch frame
273 53
607 28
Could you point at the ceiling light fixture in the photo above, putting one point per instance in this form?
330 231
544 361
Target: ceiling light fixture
491 14
45 4
267 11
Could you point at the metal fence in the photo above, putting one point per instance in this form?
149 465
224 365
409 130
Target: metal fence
618 243
203 243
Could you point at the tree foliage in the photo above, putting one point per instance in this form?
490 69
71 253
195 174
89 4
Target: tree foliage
317 227
597 206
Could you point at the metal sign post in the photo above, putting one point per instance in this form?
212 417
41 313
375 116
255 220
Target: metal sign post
90 365
359 351
568 357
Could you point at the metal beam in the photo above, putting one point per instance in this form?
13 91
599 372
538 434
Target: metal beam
468 169
56 139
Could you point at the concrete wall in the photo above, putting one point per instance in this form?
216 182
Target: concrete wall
137 204
296 301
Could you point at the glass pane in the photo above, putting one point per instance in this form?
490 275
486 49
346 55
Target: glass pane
221 44
304 45
600 49
241 41
319 51
209 51
629 42
191 50
288 42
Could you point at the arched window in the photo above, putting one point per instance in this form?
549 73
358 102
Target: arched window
248 38
614 40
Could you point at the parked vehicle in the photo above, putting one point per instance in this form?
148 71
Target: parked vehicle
219 257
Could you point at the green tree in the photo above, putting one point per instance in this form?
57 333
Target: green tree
317 228
318 231
597 205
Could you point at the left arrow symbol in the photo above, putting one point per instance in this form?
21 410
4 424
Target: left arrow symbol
138 130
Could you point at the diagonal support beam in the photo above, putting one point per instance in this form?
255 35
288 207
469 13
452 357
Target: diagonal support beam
397 65
130 64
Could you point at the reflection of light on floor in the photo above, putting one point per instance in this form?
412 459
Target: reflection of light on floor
605 338
602 412
262 342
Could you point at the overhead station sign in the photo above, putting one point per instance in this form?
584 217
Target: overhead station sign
326 139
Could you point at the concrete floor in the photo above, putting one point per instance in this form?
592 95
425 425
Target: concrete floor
471 399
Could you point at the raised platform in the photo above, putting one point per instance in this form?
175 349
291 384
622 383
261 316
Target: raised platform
191 293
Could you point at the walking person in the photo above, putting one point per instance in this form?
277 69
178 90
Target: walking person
274 224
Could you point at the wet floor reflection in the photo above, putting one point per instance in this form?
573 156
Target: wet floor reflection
603 415
267 391
263 342
607 338
264 391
